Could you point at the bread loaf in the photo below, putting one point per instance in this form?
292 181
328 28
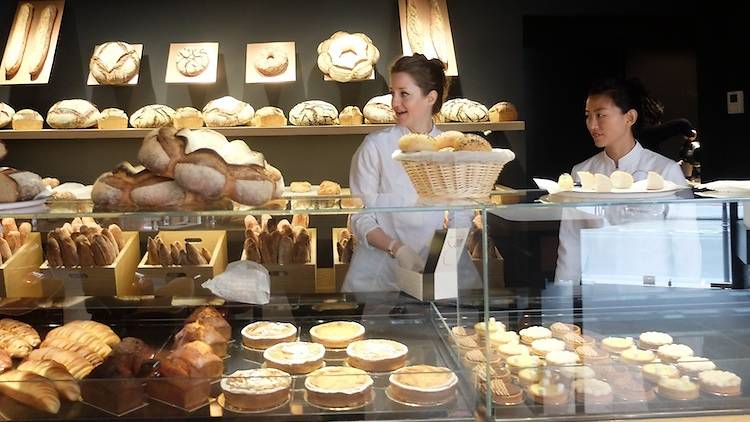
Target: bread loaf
17 40
75 364
313 113
350 115
27 119
464 110
192 61
112 118
30 389
72 114
6 114
207 315
252 253
201 356
205 333
41 38
227 111
188 117
194 255
269 117
286 250
379 110
24 184
347 57
152 116
114 63
503 112
63 381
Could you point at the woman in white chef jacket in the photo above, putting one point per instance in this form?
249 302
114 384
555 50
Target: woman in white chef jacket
615 114
385 240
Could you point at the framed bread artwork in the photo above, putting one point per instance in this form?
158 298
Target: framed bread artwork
426 29
32 41
115 63
270 62
192 63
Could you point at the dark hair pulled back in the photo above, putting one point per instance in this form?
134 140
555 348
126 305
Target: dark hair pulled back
429 75
630 94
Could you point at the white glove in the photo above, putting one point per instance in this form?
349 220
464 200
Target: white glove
409 260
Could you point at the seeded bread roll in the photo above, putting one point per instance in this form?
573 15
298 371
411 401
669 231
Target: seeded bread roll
472 142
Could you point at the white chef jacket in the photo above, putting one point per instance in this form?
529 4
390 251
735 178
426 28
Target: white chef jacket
381 182
638 162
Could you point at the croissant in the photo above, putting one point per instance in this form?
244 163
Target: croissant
98 329
14 345
64 383
30 389
21 329
81 335
79 348
76 365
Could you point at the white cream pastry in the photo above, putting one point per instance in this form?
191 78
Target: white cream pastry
535 333
587 180
621 179
602 183
499 338
490 326
565 182
654 339
617 344
673 352
654 181
694 364
546 345
562 358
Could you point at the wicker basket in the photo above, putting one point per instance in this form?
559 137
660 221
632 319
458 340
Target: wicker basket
453 179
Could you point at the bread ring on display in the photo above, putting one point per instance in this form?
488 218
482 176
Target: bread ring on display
464 110
227 111
192 61
271 61
313 113
114 63
417 142
472 142
346 57
503 112
379 110
72 114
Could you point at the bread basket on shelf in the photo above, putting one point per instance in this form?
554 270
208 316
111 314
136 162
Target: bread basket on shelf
459 174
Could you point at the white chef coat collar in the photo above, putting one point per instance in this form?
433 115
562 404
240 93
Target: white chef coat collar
433 132
629 160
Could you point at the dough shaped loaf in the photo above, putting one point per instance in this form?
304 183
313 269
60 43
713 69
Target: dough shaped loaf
312 113
269 117
114 63
350 115
464 110
72 114
347 57
227 111
192 61
152 116
379 110
6 114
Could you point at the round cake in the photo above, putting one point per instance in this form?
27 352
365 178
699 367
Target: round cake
499 338
423 384
337 334
519 362
296 357
490 326
376 355
574 341
504 393
635 356
592 355
562 358
256 389
512 349
338 387
552 393
264 334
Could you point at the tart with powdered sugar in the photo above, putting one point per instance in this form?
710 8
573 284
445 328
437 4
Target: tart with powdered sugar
338 387
423 385
377 355
264 334
296 358
256 389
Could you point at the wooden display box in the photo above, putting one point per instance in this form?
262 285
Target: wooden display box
295 278
339 269
14 273
213 240
113 280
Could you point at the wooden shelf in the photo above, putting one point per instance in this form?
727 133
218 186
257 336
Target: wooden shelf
233 132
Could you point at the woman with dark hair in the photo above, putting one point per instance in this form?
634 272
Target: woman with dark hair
617 110
386 240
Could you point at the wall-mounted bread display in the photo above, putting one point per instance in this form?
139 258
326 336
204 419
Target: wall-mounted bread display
270 62
32 42
313 113
425 29
346 57
192 63
72 114
115 63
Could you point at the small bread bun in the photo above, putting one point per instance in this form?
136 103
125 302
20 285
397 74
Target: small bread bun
448 139
416 142
472 142
300 187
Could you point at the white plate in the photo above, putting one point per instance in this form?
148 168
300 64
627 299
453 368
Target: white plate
23 204
637 191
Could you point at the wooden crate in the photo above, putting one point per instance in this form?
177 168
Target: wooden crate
213 240
112 280
14 273
339 269
295 278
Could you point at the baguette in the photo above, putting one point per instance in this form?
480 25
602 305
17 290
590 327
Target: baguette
5 250
414 32
183 258
100 256
117 234
251 250
54 258
437 31
31 389
108 249
164 256
286 248
153 252
17 39
14 240
25 230
85 254
9 225
112 241
75 364
301 253
206 255
21 329
194 255
42 39
174 252
250 222
69 251
64 383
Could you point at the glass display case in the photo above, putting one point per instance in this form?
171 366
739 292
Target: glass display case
442 348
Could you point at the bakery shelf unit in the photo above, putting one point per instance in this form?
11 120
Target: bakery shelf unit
132 133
